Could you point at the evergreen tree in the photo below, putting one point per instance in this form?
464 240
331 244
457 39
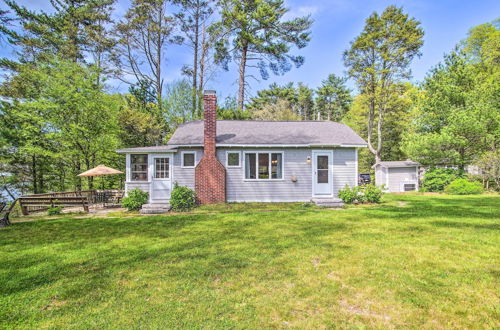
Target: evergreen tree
255 30
378 59
333 98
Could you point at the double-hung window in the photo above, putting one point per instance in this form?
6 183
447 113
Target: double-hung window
263 165
139 167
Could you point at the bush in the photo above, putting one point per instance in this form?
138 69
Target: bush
135 199
464 187
372 193
182 198
368 193
348 195
55 210
436 179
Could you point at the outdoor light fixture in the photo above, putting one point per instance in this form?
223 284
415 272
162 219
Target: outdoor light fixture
308 161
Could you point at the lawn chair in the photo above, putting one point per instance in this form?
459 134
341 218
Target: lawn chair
4 214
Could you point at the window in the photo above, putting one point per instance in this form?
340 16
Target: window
139 167
188 159
263 165
233 159
322 168
409 187
162 168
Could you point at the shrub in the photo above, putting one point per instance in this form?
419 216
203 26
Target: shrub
372 193
436 179
135 199
368 193
182 198
348 195
55 210
464 187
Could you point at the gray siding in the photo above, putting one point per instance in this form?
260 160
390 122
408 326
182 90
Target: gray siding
185 176
344 169
294 160
295 164
380 176
400 174
144 186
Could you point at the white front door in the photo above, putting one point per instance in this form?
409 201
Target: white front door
322 173
162 179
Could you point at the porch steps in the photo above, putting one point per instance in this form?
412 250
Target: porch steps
155 208
328 202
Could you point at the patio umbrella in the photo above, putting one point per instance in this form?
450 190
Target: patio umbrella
100 170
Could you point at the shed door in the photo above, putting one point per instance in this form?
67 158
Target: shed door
161 181
322 173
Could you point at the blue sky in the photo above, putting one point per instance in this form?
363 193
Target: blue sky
336 23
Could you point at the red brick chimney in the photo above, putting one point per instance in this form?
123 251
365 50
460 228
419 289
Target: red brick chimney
210 174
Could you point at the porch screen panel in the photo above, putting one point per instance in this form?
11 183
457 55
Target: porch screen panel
139 167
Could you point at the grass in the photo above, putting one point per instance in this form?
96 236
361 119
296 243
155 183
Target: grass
415 261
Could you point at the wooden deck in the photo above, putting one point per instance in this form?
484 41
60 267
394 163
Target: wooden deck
84 198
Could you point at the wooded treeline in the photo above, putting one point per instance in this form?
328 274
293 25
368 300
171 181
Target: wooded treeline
60 118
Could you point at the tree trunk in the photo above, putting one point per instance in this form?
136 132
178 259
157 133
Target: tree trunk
203 56
243 65
195 59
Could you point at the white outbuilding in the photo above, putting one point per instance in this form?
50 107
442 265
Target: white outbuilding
397 176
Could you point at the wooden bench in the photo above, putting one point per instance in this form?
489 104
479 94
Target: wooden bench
42 201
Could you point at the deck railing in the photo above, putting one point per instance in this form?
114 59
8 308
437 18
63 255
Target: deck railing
83 198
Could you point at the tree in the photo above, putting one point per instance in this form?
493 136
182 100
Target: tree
458 116
193 19
143 36
378 59
396 123
177 103
138 126
75 29
229 110
255 30
489 167
333 98
281 110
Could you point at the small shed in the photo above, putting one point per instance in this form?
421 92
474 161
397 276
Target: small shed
397 176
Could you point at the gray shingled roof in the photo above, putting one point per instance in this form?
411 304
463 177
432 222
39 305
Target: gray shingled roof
400 163
249 132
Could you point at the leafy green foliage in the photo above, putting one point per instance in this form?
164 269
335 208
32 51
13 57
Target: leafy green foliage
457 119
333 98
436 179
368 193
56 210
135 199
379 60
182 198
464 187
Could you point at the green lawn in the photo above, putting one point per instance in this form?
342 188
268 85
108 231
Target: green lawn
415 261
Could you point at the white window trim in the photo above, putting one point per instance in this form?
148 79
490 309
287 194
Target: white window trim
227 159
257 159
148 171
182 159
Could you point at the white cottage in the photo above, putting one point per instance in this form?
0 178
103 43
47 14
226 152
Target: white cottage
397 176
